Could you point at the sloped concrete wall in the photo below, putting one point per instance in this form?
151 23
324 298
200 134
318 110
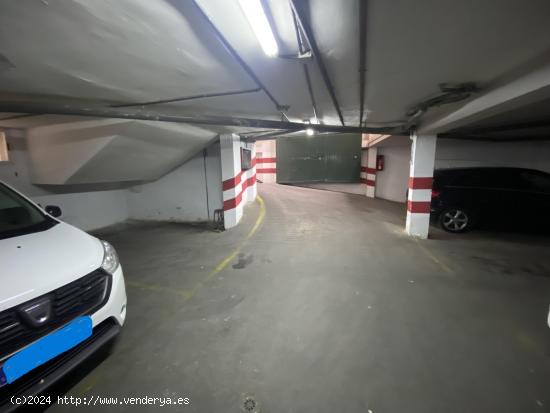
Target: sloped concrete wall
111 150
87 207
186 193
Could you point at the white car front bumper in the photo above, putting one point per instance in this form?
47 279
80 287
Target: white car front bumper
116 304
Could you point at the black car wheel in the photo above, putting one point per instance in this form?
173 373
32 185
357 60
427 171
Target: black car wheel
456 219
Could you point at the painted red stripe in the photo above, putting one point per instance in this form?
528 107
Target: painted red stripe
266 170
233 182
266 160
369 182
420 183
371 171
234 202
249 182
418 207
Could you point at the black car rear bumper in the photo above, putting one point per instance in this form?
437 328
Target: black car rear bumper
39 380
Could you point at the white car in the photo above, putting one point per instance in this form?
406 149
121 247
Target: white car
62 295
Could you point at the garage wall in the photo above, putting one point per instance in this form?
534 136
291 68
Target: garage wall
266 160
189 193
87 207
453 153
391 183
179 195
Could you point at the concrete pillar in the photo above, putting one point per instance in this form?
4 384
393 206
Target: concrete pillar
371 171
249 176
420 185
363 173
238 185
231 179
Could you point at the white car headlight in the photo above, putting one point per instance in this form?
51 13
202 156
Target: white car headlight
110 258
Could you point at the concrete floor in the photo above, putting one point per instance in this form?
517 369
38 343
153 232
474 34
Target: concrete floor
330 308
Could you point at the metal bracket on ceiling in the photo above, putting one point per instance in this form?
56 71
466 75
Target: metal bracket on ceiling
300 56
450 93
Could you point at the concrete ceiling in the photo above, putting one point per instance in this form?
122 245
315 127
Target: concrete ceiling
132 51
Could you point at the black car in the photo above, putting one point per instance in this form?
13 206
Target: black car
465 197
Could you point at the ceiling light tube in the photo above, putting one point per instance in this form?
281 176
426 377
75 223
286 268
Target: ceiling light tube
255 14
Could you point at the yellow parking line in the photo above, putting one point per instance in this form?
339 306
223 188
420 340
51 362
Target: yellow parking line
188 294
431 256
227 260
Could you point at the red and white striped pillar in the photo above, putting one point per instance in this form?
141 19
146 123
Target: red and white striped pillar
420 185
238 186
267 160
371 171
363 173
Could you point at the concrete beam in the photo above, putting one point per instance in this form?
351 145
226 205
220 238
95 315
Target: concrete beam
505 96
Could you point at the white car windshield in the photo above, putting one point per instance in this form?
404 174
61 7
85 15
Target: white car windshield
18 216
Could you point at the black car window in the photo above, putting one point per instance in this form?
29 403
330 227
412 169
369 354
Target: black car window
535 181
18 216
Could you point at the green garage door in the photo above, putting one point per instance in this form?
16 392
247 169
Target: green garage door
322 158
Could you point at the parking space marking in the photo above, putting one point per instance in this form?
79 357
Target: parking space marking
432 257
227 260
188 294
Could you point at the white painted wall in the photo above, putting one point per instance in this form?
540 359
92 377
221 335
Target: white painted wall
454 153
87 207
391 183
265 150
111 150
181 195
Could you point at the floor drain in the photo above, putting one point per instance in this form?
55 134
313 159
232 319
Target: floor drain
250 405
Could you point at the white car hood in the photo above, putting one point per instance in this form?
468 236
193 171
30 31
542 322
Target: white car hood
35 264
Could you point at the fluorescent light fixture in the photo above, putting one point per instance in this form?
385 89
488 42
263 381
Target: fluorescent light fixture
310 132
255 14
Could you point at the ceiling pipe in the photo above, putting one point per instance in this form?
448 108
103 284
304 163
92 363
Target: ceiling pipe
310 91
308 34
267 136
281 108
121 113
362 57
302 50
282 134
185 98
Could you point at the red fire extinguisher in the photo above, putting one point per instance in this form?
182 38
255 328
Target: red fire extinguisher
379 162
